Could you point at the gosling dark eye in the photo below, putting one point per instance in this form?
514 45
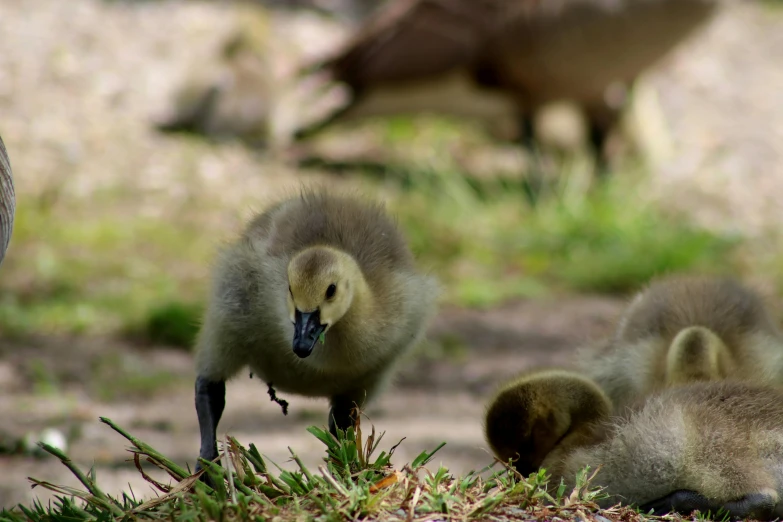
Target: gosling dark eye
331 291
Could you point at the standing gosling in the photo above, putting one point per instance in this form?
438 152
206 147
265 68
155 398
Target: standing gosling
702 446
683 329
313 268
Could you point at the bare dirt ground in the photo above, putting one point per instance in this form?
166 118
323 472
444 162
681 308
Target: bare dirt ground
78 82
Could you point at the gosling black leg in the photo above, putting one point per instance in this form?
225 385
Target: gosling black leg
341 413
210 402
682 501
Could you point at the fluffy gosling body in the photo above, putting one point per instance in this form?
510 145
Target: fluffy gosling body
312 269
702 446
684 329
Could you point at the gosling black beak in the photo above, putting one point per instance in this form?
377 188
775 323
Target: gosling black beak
307 330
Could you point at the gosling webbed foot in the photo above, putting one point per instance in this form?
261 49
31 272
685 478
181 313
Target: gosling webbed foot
758 506
682 501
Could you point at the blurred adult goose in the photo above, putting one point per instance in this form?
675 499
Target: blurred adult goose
489 59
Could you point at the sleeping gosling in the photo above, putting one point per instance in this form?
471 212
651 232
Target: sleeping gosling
685 329
319 297
703 446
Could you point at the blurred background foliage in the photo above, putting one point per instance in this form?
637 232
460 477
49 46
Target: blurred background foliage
128 253
79 269
118 257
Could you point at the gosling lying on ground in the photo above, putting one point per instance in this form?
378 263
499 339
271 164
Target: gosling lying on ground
686 329
319 297
701 446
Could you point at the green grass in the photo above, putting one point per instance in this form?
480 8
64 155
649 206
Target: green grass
43 379
115 376
490 244
773 6
99 268
356 481
111 375
174 324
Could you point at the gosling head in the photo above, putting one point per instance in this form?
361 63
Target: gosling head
540 413
321 286
696 354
